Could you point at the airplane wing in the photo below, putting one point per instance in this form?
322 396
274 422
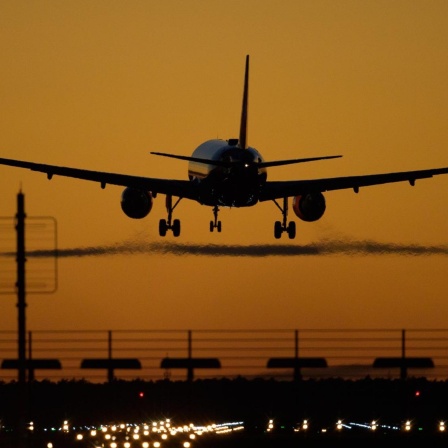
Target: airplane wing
282 189
186 189
178 188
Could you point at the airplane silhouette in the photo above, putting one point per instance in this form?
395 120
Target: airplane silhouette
228 173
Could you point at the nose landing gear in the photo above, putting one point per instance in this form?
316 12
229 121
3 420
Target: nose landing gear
215 224
282 226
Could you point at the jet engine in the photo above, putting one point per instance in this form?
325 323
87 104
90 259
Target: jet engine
136 203
309 207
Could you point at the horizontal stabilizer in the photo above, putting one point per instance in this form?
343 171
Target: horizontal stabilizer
291 161
194 159
229 163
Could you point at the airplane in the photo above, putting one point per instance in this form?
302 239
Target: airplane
228 173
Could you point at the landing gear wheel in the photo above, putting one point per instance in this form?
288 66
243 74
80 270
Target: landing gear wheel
215 224
163 227
280 226
278 229
176 228
169 224
291 230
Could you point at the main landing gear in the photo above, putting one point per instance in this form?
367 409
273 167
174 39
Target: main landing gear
169 224
215 224
281 226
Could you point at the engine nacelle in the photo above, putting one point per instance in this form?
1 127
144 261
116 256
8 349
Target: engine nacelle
309 207
136 203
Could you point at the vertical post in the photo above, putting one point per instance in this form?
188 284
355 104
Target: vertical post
297 373
21 303
21 332
190 360
403 369
110 369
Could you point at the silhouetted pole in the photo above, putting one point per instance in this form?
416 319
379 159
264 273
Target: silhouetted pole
21 303
110 369
190 374
297 372
403 369
21 306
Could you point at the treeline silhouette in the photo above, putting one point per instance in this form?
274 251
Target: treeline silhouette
253 401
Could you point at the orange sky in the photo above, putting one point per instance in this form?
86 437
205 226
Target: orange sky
99 85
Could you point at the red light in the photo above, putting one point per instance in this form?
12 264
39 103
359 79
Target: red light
417 393
141 394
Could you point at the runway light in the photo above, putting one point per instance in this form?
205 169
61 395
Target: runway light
374 425
79 437
407 425
305 425
441 426
339 425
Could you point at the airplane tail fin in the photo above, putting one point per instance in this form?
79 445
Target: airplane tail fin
243 125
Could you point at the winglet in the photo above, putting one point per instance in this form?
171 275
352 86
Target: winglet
243 125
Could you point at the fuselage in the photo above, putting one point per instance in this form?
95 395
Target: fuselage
236 182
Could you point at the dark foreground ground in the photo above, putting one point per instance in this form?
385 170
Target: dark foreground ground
251 441
322 403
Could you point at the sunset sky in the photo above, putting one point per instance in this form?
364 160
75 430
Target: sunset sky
100 84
